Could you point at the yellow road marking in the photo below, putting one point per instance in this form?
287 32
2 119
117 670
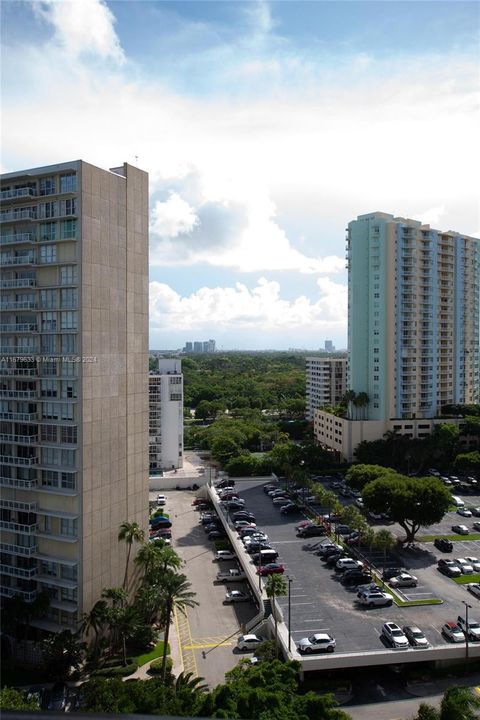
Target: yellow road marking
185 637
178 636
207 645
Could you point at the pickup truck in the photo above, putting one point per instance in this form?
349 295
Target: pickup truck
231 575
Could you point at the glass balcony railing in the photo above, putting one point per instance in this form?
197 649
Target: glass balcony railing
20 461
19 527
19 572
14 238
18 283
17 483
17 193
11 549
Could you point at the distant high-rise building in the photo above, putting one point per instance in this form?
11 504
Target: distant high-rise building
197 347
413 325
74 398
329 347
188 347
326 382
166 415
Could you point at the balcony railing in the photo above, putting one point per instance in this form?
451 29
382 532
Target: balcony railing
19 372
16 592
18 305
18 260
21 461
17 193
18 350
21 214
19 527
25 417
19 394
19 572
18 505
19 439
15 238
17 483
10 549
18 283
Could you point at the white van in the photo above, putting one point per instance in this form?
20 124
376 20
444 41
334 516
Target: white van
457 501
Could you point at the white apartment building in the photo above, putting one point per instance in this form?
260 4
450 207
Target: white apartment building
326 382
166 415
73 381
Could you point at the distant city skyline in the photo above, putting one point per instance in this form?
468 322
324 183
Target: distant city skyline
264 128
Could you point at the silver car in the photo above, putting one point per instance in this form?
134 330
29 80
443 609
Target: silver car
320 642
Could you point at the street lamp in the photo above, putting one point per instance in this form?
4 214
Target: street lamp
289 612
467 608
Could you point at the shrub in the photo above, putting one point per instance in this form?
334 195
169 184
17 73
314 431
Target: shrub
116 671
156 666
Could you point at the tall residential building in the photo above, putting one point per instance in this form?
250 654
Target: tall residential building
413 316
166 415
188 347
197 346
329 347
73 381
326 382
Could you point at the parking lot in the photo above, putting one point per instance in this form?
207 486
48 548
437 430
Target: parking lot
319 603
208 633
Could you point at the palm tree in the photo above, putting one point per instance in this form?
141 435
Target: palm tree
130 532
459 703
350 397
95 621
276 585
177 594
61 653
362 401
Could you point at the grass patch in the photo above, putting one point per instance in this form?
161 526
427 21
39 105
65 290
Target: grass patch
413 603
431 538
152 655
465 579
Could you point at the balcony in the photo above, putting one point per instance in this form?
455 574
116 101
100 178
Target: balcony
19 372
10 549
16 592
18 350
19 527
18 505
18 461
17 483
16 193
18 305
19 439
18 283
16 238
18 260
16 215
23 417
19 394
19 572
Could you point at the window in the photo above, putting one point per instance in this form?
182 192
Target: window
68 594
68 207
48 343
69 435
68 573
49 321
68 298
69 388
175 396
68 183
47 210
68 527
48 568
68 275
48 231
68 480
48 433
48 299
68 320
50 411
50 456
48 254
69 369
68 229
49 369
49 388
69 344
47 186
49 478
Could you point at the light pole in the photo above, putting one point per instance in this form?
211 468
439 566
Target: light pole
289 613
467 608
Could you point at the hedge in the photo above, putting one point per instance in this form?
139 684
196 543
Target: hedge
116 671
156 666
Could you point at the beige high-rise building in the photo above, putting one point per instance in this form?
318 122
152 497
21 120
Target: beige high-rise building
326 382
74 380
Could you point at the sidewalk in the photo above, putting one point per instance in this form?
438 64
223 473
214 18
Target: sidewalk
175 654
439 685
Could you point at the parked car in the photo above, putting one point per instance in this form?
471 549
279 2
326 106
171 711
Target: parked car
225 484
243 524
243 515
464 512
269 487
475 511
227 495
343 529
254 537
277 492
234 596
449 567
328 550
249 531
472 628
279 501
355 577
395 636
443 544
392 572
264 557
415 636
404 580
224 555
453 632
312 531
249 642
375 598
234 504
212 526
332 559
160 522
302 524
464 565
161 500
474 588
231 575
460 530
319 642
290 508
271 569
476 525
347 563
217 535
257 547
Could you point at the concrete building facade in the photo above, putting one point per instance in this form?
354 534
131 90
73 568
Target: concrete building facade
73 374
166 415
326 382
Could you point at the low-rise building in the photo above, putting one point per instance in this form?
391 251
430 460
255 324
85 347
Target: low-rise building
166 415
326 382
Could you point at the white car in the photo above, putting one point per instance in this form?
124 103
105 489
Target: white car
281 501
472 628
464 512
256 538
224 555
404 580
320 642
161 500
348 564
375 598
395 636
249 642
474 562
464 566
243 523
234 596
474 588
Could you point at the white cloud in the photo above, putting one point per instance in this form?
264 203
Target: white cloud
82 27
259 308
432 216
172 217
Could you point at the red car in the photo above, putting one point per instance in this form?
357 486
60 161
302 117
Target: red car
271 568
302 524
229 496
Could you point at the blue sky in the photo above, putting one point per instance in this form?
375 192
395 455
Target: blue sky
265 127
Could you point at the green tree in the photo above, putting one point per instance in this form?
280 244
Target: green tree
384 540
459 703
411 502
61 654
468 462
350 397
275 586
357 476
95 621
361 402
130 532
427 712
12 699
177 594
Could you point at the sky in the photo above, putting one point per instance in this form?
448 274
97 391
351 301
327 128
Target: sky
265 128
